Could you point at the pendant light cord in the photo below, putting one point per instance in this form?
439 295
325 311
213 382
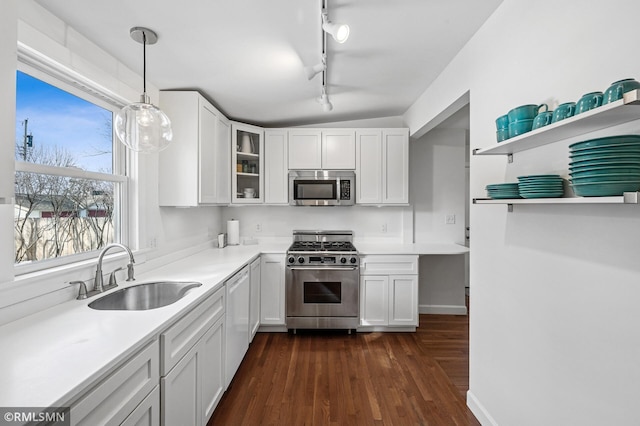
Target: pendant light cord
144 63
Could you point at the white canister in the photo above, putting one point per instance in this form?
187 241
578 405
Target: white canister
233 232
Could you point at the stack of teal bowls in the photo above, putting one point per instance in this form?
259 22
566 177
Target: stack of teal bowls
521 118
605 167
502 124
541 186
503 190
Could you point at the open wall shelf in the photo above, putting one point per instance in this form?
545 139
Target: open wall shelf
626 198
618 112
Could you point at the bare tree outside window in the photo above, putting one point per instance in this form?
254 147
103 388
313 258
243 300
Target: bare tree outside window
59 211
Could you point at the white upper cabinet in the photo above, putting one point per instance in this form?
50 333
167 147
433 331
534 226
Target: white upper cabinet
338 149
276 189
247 175
382 166
369 166
194 168
322 149
305 149
395 166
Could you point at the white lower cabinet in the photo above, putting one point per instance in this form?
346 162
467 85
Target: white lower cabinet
254 299
272 289
193 367
113 399
237 317
389 291
147 413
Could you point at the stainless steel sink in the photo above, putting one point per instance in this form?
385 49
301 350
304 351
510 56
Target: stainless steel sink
146 296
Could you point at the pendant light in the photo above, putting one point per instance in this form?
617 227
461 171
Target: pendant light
141 126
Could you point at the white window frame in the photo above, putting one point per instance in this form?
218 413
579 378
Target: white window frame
44 69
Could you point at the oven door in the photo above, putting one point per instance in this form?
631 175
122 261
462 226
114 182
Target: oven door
322 291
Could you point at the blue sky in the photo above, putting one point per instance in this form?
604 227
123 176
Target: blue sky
58 118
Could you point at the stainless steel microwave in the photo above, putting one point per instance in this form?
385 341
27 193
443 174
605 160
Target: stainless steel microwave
322 187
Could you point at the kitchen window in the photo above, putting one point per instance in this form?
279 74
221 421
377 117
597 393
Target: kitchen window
70 182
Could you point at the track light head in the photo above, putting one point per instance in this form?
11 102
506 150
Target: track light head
339 32
324 101
314 70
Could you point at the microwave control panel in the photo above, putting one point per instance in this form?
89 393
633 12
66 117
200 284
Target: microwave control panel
345 190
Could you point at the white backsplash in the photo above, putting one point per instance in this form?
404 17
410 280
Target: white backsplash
274 222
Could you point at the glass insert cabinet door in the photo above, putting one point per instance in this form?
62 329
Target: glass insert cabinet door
247 164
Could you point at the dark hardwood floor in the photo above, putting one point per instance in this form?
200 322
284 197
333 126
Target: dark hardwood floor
331 378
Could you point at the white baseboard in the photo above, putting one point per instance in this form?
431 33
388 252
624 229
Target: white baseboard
443 309
479 411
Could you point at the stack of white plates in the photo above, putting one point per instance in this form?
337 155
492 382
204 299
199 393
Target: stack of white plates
541 186
503 190
605 166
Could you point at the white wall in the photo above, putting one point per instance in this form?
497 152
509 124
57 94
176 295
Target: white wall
553 288
437 182
161 231
437 188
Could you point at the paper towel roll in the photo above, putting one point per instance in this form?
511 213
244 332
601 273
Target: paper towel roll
233 232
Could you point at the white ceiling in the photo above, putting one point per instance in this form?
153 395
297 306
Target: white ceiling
248 56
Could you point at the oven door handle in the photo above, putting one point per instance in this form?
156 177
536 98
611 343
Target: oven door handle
321 268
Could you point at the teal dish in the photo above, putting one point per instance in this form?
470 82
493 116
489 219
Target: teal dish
539 177
543 195
622 155
520 127
605 178
608 189
542 119
607 141
618 89
502 134
563 111
502 122
605 169
610 149
525 112
588 102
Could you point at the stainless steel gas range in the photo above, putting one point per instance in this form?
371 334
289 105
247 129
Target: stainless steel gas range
322 281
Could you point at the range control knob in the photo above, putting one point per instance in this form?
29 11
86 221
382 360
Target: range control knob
291 259
343 260
301 259
353 260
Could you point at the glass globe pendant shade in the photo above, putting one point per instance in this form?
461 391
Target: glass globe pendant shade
143 127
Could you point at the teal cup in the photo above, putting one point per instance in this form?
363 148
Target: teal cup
502 122
563 111
617 89
588 102
542 119
502 134
525 112
519 127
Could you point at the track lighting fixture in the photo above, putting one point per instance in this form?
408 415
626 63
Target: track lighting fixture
339 32
316 69
324 101
142 126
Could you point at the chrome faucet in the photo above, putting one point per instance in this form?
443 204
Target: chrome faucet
98 285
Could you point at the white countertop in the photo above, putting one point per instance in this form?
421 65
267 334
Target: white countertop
417 249
49 358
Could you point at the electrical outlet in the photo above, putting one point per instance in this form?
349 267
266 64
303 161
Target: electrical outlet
450 219
383 228
258 227
153 243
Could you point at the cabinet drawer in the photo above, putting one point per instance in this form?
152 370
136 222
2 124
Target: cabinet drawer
180 337
389 264
112 400
147 413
